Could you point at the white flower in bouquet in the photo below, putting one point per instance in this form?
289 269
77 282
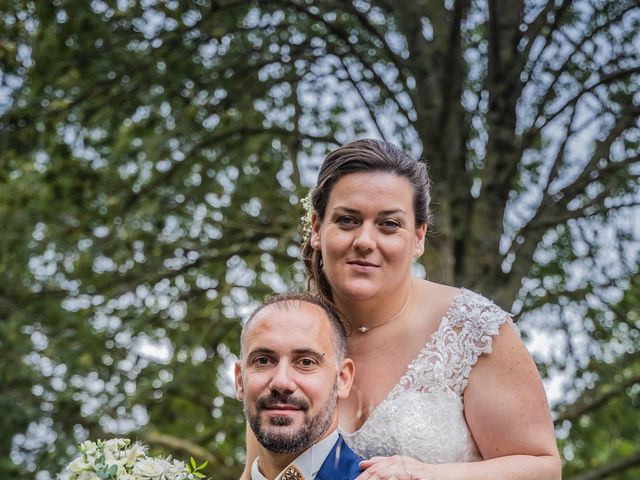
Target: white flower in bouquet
79 465
119 459
148 468
89 447
175 467
136 451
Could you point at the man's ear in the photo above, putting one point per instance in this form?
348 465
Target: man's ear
314 240
238 379
345 378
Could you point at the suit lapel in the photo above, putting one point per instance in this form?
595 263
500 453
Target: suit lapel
336 465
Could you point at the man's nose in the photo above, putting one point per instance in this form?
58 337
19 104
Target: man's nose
283 378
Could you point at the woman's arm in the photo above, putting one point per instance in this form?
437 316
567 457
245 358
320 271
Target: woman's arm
507 410
252 453
508 415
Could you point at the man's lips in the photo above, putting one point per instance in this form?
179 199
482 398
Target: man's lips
282 408
281 402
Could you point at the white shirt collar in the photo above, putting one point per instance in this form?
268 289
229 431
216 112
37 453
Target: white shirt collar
308 462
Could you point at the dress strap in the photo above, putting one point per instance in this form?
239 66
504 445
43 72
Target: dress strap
476 320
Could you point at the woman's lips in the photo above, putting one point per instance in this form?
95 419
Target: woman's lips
362 266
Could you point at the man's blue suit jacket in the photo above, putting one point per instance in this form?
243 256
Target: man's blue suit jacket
341 463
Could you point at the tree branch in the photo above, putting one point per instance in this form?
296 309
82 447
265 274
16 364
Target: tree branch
604 471
181 445
540 22
572 102
550 208
577 45
345 40
588 403
356 85
393 57
560 155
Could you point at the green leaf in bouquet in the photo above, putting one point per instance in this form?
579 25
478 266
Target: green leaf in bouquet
102 473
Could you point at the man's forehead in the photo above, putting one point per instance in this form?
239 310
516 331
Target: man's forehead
303 325
296 314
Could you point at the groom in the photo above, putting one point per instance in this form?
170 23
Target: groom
292 370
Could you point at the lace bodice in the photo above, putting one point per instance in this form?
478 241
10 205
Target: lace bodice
423 415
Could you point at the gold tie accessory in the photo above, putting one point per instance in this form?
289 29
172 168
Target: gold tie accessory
291 473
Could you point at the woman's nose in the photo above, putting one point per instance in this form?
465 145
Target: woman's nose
365 238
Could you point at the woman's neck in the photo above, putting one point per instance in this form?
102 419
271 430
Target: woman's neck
369 314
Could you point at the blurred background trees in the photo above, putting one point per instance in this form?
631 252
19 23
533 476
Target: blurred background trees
153 156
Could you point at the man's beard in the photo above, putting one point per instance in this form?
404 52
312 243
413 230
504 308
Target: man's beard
290 442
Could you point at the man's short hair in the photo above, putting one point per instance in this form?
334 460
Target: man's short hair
288 301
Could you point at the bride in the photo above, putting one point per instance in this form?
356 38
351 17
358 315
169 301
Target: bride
444 387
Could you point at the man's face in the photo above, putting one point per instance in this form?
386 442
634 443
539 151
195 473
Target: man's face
289 377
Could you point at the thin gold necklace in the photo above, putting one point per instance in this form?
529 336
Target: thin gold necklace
364 329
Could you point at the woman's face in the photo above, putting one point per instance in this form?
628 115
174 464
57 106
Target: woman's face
368 237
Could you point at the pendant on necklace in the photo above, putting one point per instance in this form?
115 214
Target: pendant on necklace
364 329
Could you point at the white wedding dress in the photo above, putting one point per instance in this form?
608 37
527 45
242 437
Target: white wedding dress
423 416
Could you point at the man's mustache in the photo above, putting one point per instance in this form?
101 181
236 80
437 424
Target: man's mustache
277 398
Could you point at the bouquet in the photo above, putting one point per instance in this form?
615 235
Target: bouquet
119 459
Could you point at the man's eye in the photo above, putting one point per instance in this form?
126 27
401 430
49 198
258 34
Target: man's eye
261 361
307 362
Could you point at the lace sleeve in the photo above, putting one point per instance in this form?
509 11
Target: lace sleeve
477 320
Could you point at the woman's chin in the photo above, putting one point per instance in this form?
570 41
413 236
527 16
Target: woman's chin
360 292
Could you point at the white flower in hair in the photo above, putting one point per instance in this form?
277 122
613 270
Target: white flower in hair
305 220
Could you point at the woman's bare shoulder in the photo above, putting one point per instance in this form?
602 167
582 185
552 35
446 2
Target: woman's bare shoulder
433 302
436 296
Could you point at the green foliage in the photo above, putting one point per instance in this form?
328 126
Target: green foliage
197 469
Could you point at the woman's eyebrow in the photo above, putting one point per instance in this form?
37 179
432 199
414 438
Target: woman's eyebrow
390 211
